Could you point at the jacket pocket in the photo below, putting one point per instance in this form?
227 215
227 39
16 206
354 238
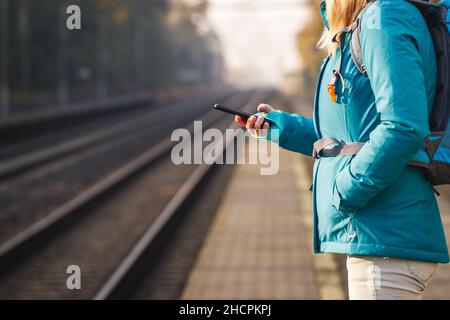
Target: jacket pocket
346 217
337 201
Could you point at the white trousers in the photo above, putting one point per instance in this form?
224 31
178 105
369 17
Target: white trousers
378 278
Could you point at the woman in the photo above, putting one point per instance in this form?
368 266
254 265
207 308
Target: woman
370 204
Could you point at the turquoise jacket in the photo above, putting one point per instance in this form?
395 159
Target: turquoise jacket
373 203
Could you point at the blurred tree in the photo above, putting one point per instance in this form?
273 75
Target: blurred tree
310 55
24 43
4 57
124 46
195 47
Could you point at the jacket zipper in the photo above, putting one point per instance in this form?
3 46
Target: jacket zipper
318 134
351 229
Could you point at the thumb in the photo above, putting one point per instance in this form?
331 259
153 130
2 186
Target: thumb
265 108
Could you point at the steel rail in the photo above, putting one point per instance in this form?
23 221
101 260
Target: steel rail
32 236
113 287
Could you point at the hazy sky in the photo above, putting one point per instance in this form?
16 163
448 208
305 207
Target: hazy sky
258 37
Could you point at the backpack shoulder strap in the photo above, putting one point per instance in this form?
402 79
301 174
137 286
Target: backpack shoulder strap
355 42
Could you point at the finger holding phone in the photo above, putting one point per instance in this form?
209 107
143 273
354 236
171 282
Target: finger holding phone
255 124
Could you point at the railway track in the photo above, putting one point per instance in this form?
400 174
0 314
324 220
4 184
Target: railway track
107 239
17 158
32 194
44 127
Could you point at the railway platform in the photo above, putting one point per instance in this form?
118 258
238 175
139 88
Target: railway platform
259 245
439 287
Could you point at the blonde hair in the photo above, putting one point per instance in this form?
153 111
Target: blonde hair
340 13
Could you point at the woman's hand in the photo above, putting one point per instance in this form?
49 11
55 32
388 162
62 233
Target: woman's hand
253 124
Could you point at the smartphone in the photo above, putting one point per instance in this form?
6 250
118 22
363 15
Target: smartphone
236 112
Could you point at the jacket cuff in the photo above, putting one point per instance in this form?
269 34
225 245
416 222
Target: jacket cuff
278 126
